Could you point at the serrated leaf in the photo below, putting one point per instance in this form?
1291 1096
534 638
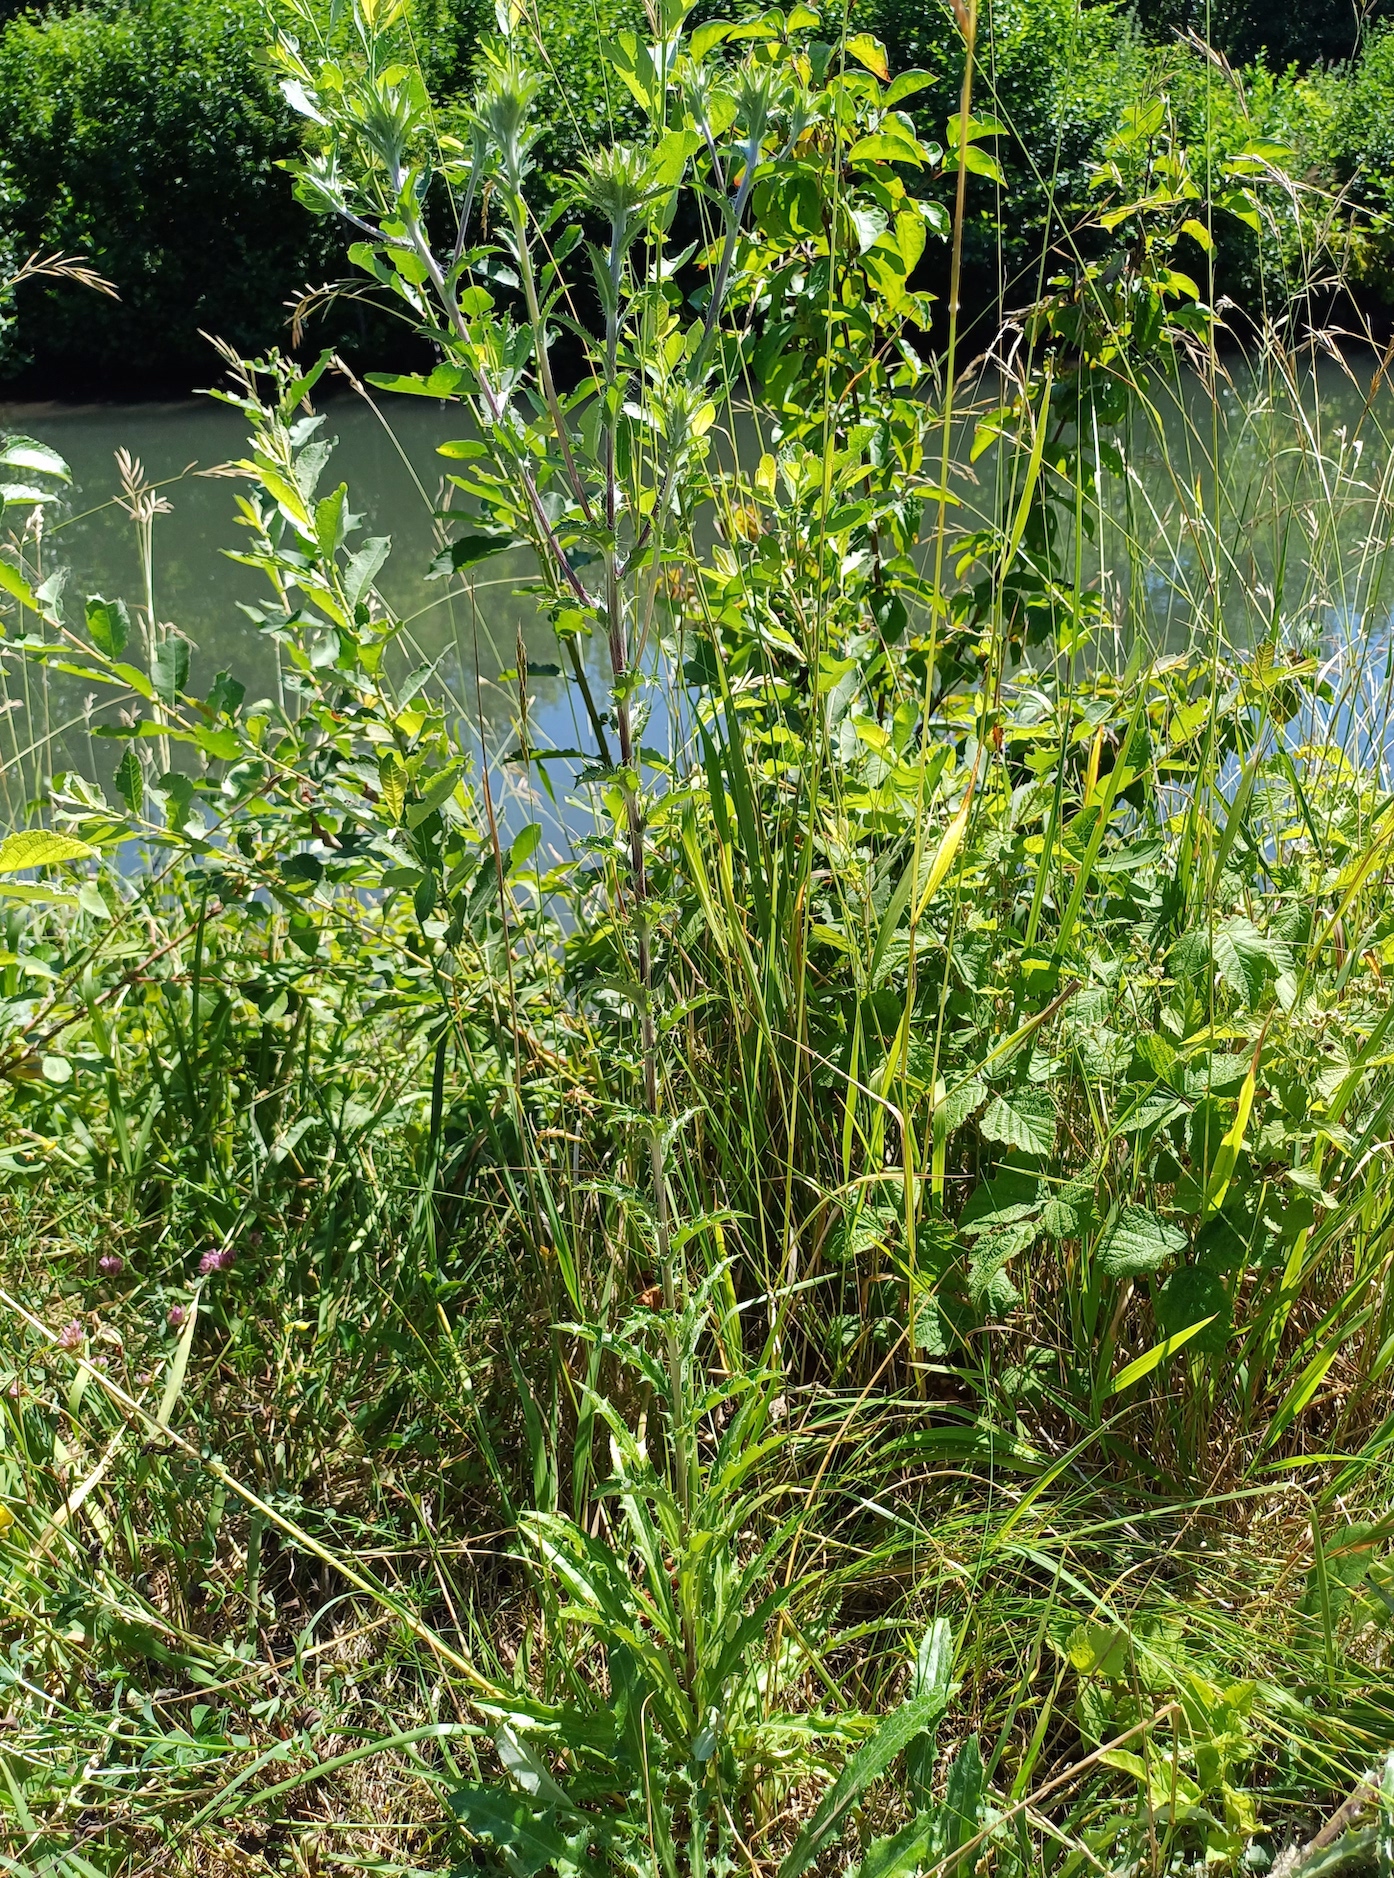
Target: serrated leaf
1069 1213
904 1725
40 847
24 454
1246 958
1022 1118
907 1851
1009 1196
1137 1242
529 1836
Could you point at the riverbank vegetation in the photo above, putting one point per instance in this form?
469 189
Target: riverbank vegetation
802 1285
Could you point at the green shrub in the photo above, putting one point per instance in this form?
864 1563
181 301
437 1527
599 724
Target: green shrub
147 139
1058 77
1355 111
1248 31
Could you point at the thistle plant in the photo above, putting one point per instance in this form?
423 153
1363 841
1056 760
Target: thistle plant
781 158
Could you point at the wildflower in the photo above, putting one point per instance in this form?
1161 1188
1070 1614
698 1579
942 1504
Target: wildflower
177 1315
217 1261
71 1336
111 1264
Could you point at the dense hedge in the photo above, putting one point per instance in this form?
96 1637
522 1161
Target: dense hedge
146 136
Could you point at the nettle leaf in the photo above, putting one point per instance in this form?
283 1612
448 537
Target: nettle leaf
1009 1196
988 1283
1139 1241
1023 1118
1069 1214
1246 958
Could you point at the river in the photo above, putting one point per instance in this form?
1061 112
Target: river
1298 529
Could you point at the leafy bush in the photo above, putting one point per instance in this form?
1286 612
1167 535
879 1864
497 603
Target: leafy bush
147 139
1058 76
882 1229
1352 116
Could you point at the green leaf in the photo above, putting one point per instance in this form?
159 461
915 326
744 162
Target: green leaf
439 786
1023 1118
443 382
169 669
885 146
40 847
225 746
1246 958
670 159
1009 1196
1139 1242
1069 1213
330 523
867 50
983 163
631 61
178 793
302 870
530 1837
14 583
709 34
108 625
392 780
466 551
130 782
1099 1650
1149 1360
23 453
364 566
908 1851
174 1381
906 84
